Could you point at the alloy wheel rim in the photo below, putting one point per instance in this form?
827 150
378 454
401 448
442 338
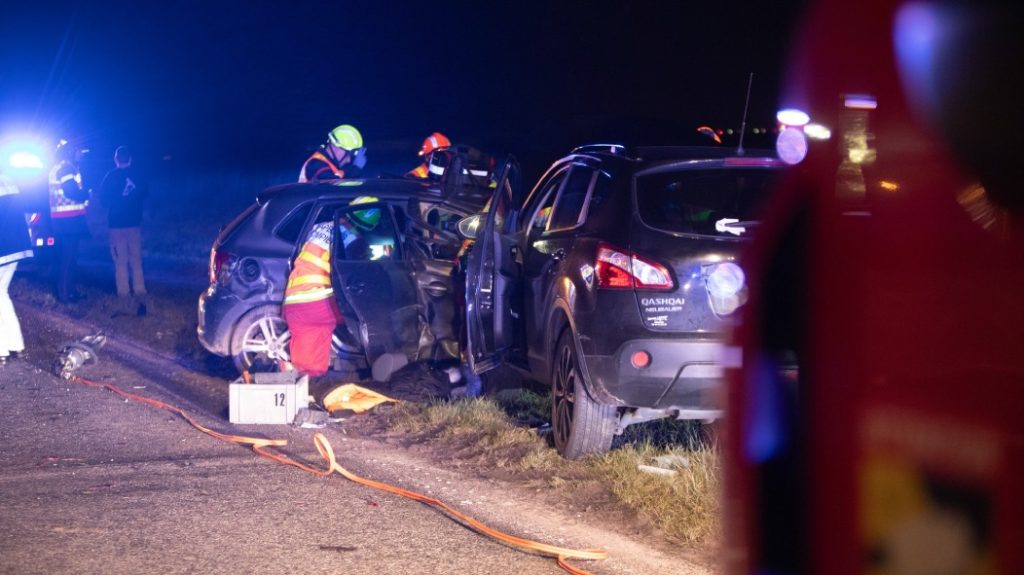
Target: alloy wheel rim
565 380
266 342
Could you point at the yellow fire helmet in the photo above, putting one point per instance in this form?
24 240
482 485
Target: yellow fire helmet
346 137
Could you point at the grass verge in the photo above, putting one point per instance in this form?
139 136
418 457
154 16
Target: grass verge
667 473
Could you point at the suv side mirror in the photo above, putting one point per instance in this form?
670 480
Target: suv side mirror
470 225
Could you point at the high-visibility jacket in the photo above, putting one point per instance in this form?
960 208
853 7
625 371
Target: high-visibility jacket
67 198
320 167
421 171
14 241
310 279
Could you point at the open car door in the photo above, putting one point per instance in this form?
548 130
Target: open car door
492 275
373 282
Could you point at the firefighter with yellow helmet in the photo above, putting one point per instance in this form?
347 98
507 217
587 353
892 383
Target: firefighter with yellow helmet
310 308
342 156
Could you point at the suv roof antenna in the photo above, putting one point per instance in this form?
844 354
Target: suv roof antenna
746 106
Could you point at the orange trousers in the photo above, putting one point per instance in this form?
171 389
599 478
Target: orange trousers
311 325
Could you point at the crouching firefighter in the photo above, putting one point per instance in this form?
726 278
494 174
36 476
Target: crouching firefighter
310 308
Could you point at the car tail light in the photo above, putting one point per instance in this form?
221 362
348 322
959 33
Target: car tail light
621 269
726 285
613 269
218 261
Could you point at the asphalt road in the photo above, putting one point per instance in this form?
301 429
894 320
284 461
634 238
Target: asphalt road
91 483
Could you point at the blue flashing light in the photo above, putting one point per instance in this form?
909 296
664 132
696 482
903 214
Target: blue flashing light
22 160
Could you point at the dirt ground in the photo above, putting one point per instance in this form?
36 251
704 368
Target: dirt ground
163 341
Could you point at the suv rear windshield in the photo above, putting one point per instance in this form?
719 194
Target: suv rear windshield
694 201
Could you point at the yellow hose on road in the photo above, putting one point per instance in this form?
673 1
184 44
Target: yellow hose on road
323 446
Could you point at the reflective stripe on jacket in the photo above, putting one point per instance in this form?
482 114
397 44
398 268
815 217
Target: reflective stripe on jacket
310 278
419 171
64 178
326 170
14 241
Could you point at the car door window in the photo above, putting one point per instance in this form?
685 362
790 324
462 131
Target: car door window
365 234
440 238
290 229
540 210
568 209
502 206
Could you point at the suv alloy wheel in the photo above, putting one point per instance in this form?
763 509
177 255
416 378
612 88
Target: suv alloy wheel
580 425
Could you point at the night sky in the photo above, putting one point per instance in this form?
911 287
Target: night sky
252 83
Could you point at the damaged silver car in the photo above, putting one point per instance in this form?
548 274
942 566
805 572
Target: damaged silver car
397 307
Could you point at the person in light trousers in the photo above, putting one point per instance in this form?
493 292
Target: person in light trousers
123 192
14 247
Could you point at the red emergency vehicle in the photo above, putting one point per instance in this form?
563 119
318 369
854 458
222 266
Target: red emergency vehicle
893 272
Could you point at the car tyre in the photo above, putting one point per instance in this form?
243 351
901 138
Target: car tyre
260 340
580 425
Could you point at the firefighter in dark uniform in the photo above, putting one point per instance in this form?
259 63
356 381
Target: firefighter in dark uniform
343 156
68 202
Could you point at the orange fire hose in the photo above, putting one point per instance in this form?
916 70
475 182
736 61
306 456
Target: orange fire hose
323 446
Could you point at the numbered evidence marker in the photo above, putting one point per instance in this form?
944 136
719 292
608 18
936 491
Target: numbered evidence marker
270 399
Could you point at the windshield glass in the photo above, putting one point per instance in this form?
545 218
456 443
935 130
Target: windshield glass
710 202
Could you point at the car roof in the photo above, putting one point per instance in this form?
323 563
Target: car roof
383 188
644 158
468 196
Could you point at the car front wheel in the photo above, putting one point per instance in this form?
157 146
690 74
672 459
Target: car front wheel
261 340
580 425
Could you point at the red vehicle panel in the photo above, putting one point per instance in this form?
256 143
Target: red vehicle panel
893 270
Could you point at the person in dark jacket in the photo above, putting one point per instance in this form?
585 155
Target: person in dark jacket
123 192
68 202
14 247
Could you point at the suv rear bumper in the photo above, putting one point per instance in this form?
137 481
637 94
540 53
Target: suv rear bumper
683 375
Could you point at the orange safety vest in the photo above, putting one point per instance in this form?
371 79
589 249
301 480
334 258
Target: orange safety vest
419 171
336 172
62 206
310 279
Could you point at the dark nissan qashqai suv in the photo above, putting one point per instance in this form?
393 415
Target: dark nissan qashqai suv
396 297
614 280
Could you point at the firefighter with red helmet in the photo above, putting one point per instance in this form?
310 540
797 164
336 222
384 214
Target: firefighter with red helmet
434 141
310 308
68 203
342 156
